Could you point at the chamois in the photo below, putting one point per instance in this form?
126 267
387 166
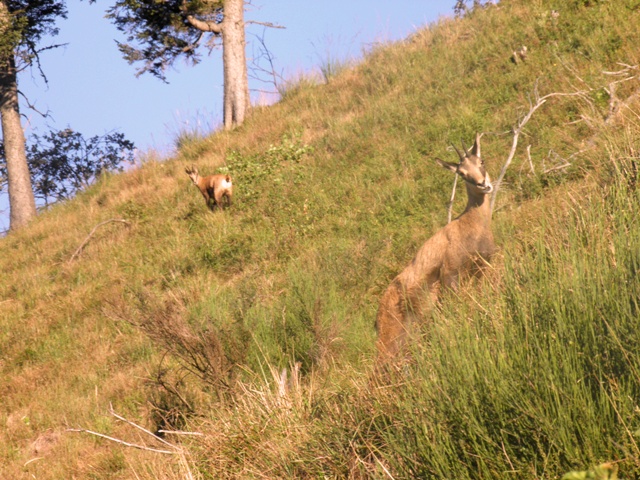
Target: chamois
462 245
213 188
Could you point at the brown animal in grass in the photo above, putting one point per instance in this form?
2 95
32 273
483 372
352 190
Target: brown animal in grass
463 245
215 188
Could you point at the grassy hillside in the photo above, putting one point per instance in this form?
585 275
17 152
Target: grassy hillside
183 320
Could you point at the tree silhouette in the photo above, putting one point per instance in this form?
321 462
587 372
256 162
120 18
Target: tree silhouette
160 32
63 162
22 25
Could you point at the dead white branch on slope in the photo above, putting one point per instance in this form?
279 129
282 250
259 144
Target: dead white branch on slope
122 442
615 107
88 237
517 130
180 432
135 425
453 196
173 449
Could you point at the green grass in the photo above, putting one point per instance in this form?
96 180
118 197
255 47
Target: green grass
185 319
533 378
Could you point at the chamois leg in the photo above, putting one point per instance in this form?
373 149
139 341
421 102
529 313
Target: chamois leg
449 279
399 308
390 322
219 196
207 199
434 293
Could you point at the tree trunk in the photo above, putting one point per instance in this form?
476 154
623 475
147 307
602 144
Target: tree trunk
21 201
236 84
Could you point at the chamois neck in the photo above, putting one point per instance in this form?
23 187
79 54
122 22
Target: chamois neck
477 200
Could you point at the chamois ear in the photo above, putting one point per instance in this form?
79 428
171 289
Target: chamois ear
448 165
460 155
475 150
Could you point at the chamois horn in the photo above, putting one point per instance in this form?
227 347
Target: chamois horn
464 147
462 157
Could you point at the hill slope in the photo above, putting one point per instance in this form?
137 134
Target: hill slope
181 319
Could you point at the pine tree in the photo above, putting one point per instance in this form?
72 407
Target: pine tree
22 26
161 32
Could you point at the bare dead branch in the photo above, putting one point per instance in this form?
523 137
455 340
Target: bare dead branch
122 442
259 90
625 71
135 425
266 24
175 450
180 432
559 167
32 106
453 196
33 54
86 240
529 158
264 53
517 130
33 460
622 80
615 108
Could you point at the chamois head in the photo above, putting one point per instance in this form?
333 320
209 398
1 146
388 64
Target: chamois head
471 168
192 171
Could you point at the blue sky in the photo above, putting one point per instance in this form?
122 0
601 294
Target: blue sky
94 91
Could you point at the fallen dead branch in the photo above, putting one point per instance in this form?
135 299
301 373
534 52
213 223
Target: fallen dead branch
180 432
135 425
122 442
86 240
171 450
